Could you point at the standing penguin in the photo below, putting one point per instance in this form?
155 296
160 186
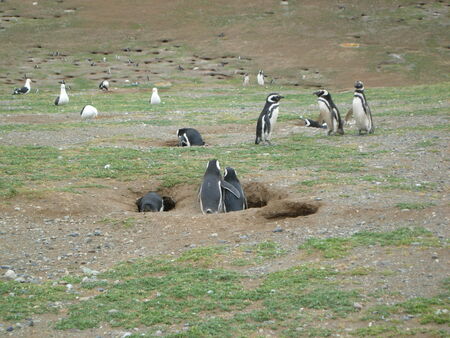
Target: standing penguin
246 79
150 202
104 85
24 90
188 137
155 99
63 98
260 78
329 112
211 189
268 118
361 110
231 202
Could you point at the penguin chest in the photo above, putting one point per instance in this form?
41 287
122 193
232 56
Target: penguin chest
360 114
273 119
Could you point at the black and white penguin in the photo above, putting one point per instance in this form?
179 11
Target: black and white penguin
150 202
260 78
63 98
329 112
24 90
188 137
211 189
231 202
313 123
268 118
88 112
361 110
104 85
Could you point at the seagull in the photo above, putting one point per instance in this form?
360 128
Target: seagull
155 99
24 90
63 98
88 112
104 85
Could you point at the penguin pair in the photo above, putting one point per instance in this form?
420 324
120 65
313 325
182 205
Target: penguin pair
188 137
63 98
268 118
220 194
329 113
24 90
153 202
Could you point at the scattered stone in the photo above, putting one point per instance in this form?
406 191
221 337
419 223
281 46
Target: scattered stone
89 272
10 274
74 234
434 255
357 306
278 229
9 328
20 280
113 311
126 334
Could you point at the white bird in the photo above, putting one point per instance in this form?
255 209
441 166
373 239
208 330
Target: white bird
155 99
88 112
246 80
25 89
260 78
104 85
63 98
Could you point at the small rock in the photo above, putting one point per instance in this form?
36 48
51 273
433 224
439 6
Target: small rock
113 311
90 272
74 234
357 305
20 280
126 334
10 274
278 229
434 255
9 328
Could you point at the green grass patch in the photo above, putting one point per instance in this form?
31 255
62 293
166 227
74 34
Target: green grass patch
22 300
340 247
413 205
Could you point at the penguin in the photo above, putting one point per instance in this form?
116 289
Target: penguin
150 202
268 118
88 112
104 85
329 112
361 110
188 137
24 90
313 124
246 80
155 99
63 98
260 78
231 202
211 189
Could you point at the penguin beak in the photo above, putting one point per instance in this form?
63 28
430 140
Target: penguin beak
281 97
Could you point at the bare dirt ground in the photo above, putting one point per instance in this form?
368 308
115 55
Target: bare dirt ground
48 236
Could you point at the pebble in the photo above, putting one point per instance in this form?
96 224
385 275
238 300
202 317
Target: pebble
278 229
126 334
357 306
9 328
88 271
10 274
74 234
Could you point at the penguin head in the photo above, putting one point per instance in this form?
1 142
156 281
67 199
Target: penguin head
213 164
274 97
321 93
359 85
229 173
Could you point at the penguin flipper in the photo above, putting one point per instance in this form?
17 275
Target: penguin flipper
56 101
230 188
138 203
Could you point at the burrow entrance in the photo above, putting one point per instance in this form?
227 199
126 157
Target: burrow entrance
272 203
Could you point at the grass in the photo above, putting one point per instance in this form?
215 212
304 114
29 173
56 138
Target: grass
339 247
20 301
414 205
